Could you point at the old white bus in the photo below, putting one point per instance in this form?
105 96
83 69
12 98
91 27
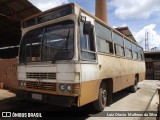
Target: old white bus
68 57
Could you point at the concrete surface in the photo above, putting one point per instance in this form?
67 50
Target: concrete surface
5 94
139 101
153 106
145 99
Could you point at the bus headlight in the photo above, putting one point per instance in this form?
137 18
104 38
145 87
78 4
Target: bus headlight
69 88
62 87
22 83
65 87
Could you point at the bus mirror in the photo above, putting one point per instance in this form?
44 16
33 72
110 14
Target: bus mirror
87 28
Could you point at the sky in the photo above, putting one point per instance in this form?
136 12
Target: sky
141 16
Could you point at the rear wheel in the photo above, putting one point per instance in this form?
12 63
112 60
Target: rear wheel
134 87
100 104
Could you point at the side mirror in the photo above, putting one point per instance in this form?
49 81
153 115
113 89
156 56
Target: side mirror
87 28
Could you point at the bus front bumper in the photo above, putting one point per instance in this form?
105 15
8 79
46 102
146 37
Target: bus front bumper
65 101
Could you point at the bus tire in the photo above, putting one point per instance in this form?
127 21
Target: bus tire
109 98
134 87
100 104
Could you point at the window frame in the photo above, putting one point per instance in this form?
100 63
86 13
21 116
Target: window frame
134 51
140 53
110 42
86 50
129 48
117 43
115 49
44 27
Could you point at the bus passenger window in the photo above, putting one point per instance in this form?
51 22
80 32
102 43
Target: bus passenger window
119 44
128 48
119 50
140 53
128 53
104 46
104 38
135 55
134 51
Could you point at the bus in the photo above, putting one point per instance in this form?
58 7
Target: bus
68 57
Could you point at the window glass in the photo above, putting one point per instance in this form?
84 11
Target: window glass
83 39
117 39
134 51
140 53
55 38
140 57
103 32
128 53
119 50
128 48
85 55
52 42
103 46
87 45
32 46
134 47
127 44
140 50
135 55
87 41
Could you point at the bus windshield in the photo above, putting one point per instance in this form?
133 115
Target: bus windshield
50 43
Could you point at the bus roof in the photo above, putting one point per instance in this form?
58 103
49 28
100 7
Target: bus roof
86 12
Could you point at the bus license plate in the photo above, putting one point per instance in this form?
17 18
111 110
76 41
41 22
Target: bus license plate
36 96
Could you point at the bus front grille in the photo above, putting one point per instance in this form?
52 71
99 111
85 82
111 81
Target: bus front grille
41 75
41 86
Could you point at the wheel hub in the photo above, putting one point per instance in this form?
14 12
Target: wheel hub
104 97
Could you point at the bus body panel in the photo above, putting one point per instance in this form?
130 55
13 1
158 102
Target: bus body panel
122 71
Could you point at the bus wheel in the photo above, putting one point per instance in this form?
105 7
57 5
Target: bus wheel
100 104
134 87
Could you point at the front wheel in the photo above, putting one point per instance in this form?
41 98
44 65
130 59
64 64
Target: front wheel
100 104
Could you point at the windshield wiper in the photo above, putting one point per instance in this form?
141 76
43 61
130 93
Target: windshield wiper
59 51
42 40
67 39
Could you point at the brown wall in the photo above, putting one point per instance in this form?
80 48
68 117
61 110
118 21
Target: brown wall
149 70
153 69
8 73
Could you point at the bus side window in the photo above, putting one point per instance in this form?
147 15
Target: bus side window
87 44
103 38
119 44
104 46
134 51
128 49
140 53
119 50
